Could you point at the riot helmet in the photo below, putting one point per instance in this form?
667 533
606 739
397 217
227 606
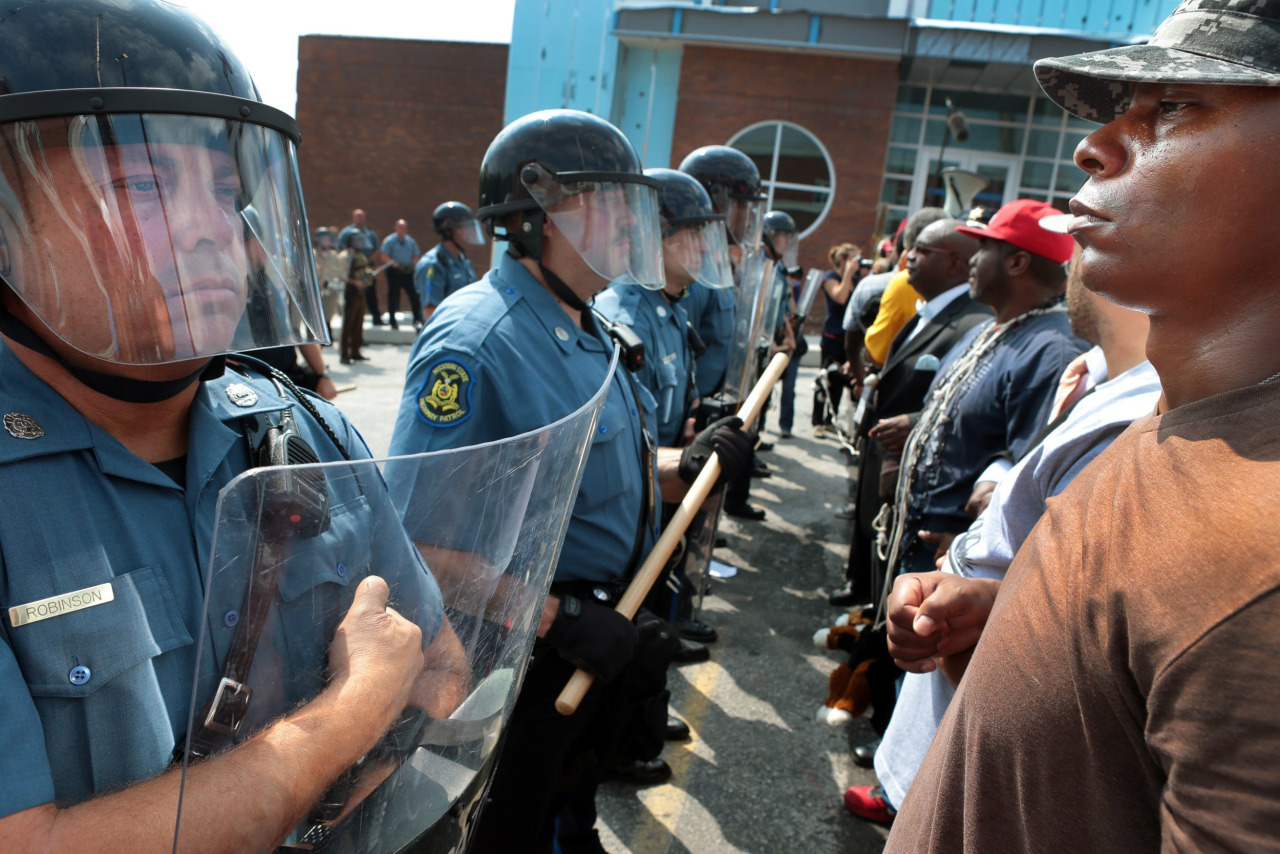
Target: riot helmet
455 221
733 181
582 174
322 238
149 200
779 234
693 234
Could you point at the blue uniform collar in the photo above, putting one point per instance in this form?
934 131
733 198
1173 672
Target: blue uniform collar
27 400
511 278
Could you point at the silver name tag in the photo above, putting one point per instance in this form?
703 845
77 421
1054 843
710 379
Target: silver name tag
76 600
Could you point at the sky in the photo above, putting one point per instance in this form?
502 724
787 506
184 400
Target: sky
264 33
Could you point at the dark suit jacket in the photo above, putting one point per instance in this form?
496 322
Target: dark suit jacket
903 381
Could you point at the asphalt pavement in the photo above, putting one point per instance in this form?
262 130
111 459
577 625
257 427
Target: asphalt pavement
759 774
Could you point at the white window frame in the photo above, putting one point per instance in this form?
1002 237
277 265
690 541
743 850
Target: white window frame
771 182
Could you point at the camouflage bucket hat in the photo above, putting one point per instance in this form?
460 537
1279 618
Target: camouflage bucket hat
1232 42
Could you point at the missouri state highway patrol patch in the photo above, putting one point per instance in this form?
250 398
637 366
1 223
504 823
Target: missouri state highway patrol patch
445 397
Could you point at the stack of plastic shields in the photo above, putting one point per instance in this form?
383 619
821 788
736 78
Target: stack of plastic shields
467 541
754 284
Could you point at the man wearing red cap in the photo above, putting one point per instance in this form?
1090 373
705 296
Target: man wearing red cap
993 389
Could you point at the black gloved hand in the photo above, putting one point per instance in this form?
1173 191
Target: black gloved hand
730 443
592 637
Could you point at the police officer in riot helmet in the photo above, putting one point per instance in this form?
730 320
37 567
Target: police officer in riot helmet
445 268
566 191
134 144
782 243
733 182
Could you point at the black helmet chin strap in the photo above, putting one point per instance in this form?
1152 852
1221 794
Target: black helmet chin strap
125 389
568 297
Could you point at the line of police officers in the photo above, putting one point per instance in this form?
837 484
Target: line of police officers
122 408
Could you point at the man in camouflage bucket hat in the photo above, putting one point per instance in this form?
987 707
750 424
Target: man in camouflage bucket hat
1123 696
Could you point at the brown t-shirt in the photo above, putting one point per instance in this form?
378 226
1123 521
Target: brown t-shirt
1125 695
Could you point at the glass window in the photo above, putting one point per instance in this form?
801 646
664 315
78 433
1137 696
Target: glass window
1006 140
911 99
1045 112
901 160
1037 173
757 141
795 169
981 105
1070 179
1043 143
897 191
905 130
1069 142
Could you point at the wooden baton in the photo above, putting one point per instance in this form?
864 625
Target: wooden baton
580 681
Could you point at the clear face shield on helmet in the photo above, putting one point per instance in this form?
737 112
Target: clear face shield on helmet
743 217
610 219
466 232
702 250
754 289
146 239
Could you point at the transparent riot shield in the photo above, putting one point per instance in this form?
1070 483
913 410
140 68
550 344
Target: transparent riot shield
753 291
812 284
775 290
466 540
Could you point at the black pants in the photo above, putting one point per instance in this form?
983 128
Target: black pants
833 356
549 759
352 322
397 281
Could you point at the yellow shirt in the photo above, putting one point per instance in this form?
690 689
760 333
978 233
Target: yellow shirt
897 306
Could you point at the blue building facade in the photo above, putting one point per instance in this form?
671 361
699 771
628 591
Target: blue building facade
647 66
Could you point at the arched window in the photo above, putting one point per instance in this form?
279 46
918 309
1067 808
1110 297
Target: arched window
796 170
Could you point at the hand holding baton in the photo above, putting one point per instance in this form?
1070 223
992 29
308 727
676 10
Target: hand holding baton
638 589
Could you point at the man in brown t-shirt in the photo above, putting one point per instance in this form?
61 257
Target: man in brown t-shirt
1124 696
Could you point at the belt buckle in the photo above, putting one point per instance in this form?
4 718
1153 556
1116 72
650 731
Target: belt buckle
228 710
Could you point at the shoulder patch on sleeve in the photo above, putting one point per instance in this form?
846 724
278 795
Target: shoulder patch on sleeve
445 397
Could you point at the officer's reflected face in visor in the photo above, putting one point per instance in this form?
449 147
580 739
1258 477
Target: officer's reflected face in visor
597 221
682 251
743 217
612 225
151 239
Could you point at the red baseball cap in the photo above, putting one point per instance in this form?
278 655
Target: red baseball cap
1019 223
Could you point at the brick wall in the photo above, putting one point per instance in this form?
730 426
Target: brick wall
395 127
846 103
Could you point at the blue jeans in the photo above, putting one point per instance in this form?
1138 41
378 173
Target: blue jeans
787 411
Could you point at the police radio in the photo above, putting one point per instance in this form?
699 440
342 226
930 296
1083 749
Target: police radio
627 340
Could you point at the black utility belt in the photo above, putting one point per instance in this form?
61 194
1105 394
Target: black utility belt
601 592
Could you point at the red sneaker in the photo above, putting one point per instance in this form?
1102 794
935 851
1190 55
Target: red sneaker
869 802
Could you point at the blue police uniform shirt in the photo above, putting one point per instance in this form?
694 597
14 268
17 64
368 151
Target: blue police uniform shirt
662 326
710 312
401 251
1002 409
363 239
502 358
439 273
97 698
